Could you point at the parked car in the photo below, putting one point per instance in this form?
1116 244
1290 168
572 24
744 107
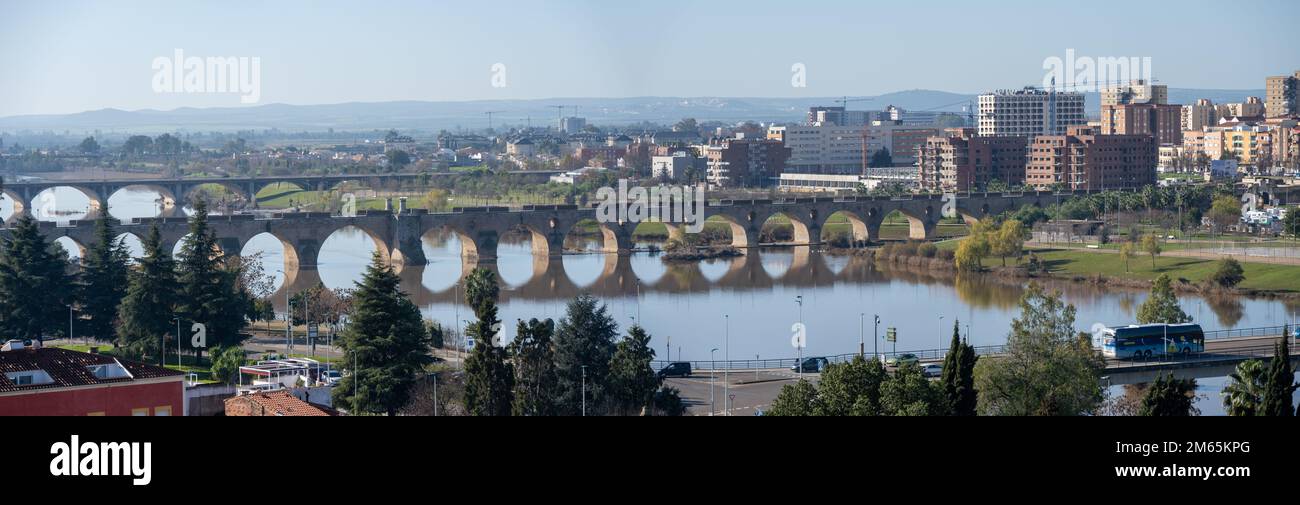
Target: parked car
902 359
811 365
331 377
932 370
677 369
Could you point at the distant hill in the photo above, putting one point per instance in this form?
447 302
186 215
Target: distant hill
433 116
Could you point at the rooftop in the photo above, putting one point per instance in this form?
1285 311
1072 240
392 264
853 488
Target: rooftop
58 368
279 403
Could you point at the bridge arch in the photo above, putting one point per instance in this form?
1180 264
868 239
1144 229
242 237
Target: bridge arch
858 234
165 200
803 227
922 221
75 250
44 201
16 202
237 193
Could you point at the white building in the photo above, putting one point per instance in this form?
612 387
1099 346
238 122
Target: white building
670 167
1138 91
572 124
824 148
1200 115
1029 112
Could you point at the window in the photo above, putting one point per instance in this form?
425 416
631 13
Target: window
165 410
140 412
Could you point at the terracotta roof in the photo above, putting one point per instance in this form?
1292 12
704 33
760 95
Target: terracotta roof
279 403
67 368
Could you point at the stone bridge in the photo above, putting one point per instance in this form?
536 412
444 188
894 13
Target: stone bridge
174 190
398 233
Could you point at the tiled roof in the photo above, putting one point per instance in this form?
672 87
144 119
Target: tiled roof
68 368
278 403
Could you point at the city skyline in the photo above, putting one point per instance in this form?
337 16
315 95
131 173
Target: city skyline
94 56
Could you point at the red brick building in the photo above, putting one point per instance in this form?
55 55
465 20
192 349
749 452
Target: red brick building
42 381
746 162
962 161
1081 159
1164 122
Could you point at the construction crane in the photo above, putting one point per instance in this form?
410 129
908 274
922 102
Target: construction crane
844 102
489 115
560 114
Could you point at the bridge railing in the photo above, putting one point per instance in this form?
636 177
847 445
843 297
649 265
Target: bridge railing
932 355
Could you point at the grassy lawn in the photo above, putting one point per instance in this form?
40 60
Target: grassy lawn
1259 276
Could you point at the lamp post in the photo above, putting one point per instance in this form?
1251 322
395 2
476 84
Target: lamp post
178 340
939 350
713 373
584 390
288 315
862 330
799 364
875 337
726 362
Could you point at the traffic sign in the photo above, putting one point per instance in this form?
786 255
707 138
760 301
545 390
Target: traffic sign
891 335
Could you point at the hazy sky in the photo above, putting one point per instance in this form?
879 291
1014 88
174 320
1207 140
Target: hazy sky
69 56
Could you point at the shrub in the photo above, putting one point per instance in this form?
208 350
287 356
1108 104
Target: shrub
1229 273
927 250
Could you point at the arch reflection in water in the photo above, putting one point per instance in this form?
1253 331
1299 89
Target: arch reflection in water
688 301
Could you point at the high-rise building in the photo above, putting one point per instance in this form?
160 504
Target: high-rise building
1199 115
1281 95
961 161
1029 112
572 124
838 116
1164 122
1253 107
745 162
1136 92
1081 159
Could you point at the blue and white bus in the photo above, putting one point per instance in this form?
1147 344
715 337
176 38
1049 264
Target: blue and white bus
1148 340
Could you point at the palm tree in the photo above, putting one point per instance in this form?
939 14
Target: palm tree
1245 389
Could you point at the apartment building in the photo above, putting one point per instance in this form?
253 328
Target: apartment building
745 162
1199 115
1082 159
1281 95
901 140
825 148
1136 92
1162 121
1029 112
1253 107
959 160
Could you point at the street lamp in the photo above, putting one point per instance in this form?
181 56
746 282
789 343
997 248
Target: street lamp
939 350
288 315
713 373
178 340
584 390
862 330
726 362
875 338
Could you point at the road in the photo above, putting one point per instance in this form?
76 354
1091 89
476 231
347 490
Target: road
753 390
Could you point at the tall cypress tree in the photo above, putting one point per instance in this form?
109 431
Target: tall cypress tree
103 281
959 375
35 286
489 380
148 307
385 347
1279 383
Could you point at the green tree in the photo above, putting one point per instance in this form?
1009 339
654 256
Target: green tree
668 402
210 292
959 375
971 252
103 281
909 393
851 388
145 314
489 379
35 286
437 336
632 381
1126 252
385 347
1279 383
1245 389
1151 246
226 361
533 354
1224 212
1169 397
881 159
1229 273
584 339
1009 240
798 399
1162 305
88 146
1045 369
